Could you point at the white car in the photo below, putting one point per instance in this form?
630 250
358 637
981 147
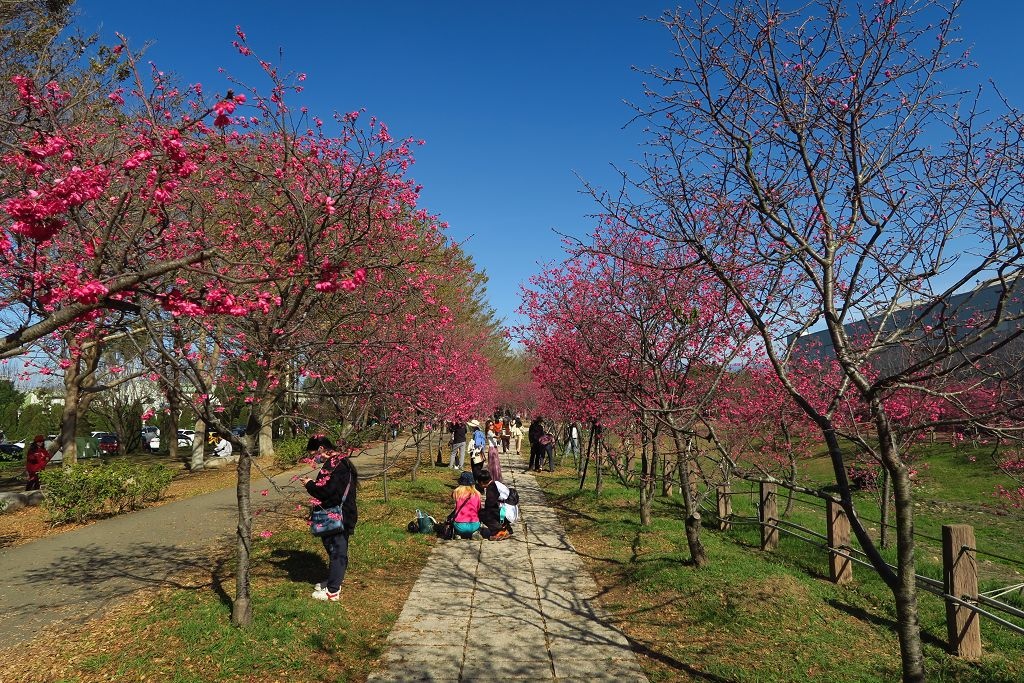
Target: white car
151 438
186 437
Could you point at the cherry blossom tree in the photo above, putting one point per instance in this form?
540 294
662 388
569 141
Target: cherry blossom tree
820 146
634 331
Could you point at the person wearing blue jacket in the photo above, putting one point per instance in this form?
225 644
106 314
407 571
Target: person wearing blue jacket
477 459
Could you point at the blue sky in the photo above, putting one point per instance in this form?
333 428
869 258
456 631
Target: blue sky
514 99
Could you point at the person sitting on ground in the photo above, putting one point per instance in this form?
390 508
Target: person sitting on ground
492 520
467 506
35 461
221 447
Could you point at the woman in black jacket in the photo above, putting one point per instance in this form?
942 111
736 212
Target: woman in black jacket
536 449
492 522
335 484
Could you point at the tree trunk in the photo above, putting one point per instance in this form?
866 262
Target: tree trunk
172 425
69 417
241 610
697 552
198 446
417 437
646 477
76 376
792 470
908 624
266 420
668 466
384 468
901 583
884 510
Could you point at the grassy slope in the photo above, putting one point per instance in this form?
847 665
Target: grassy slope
775 617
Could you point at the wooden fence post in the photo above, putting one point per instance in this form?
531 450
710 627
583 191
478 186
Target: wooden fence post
960 577
769 517
840 568
724 507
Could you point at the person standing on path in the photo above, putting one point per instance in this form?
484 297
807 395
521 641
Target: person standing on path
478 456
517 433
35 461
499 426
547 441
573 433
337 480
493 463
458 430
534 434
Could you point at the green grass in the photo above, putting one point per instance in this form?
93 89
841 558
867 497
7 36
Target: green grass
747 616
750 615
185 635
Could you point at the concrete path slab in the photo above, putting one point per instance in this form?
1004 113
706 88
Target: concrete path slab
523 609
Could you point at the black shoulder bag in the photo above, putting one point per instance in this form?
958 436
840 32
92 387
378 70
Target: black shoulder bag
446 529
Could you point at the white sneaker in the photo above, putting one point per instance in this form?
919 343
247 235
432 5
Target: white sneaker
319 586
324 594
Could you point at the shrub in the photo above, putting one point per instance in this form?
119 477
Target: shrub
77 492
290 451
363 436
864 477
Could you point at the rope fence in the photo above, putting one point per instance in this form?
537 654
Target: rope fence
959 587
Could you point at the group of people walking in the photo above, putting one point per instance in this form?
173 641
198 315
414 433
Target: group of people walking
483 443
506 432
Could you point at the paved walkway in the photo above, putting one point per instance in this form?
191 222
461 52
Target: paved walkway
523 609
77 575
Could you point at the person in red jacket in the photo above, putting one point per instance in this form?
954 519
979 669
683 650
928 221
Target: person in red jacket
35 462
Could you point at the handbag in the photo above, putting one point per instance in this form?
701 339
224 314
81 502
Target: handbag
446 529
329 521
425 522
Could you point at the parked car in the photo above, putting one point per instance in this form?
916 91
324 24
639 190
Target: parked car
185 437
151 438
109 443
10 451
238 430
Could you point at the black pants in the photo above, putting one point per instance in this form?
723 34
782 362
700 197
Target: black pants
536 456
337 554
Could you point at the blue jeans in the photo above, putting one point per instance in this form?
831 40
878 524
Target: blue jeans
337 555
458 452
